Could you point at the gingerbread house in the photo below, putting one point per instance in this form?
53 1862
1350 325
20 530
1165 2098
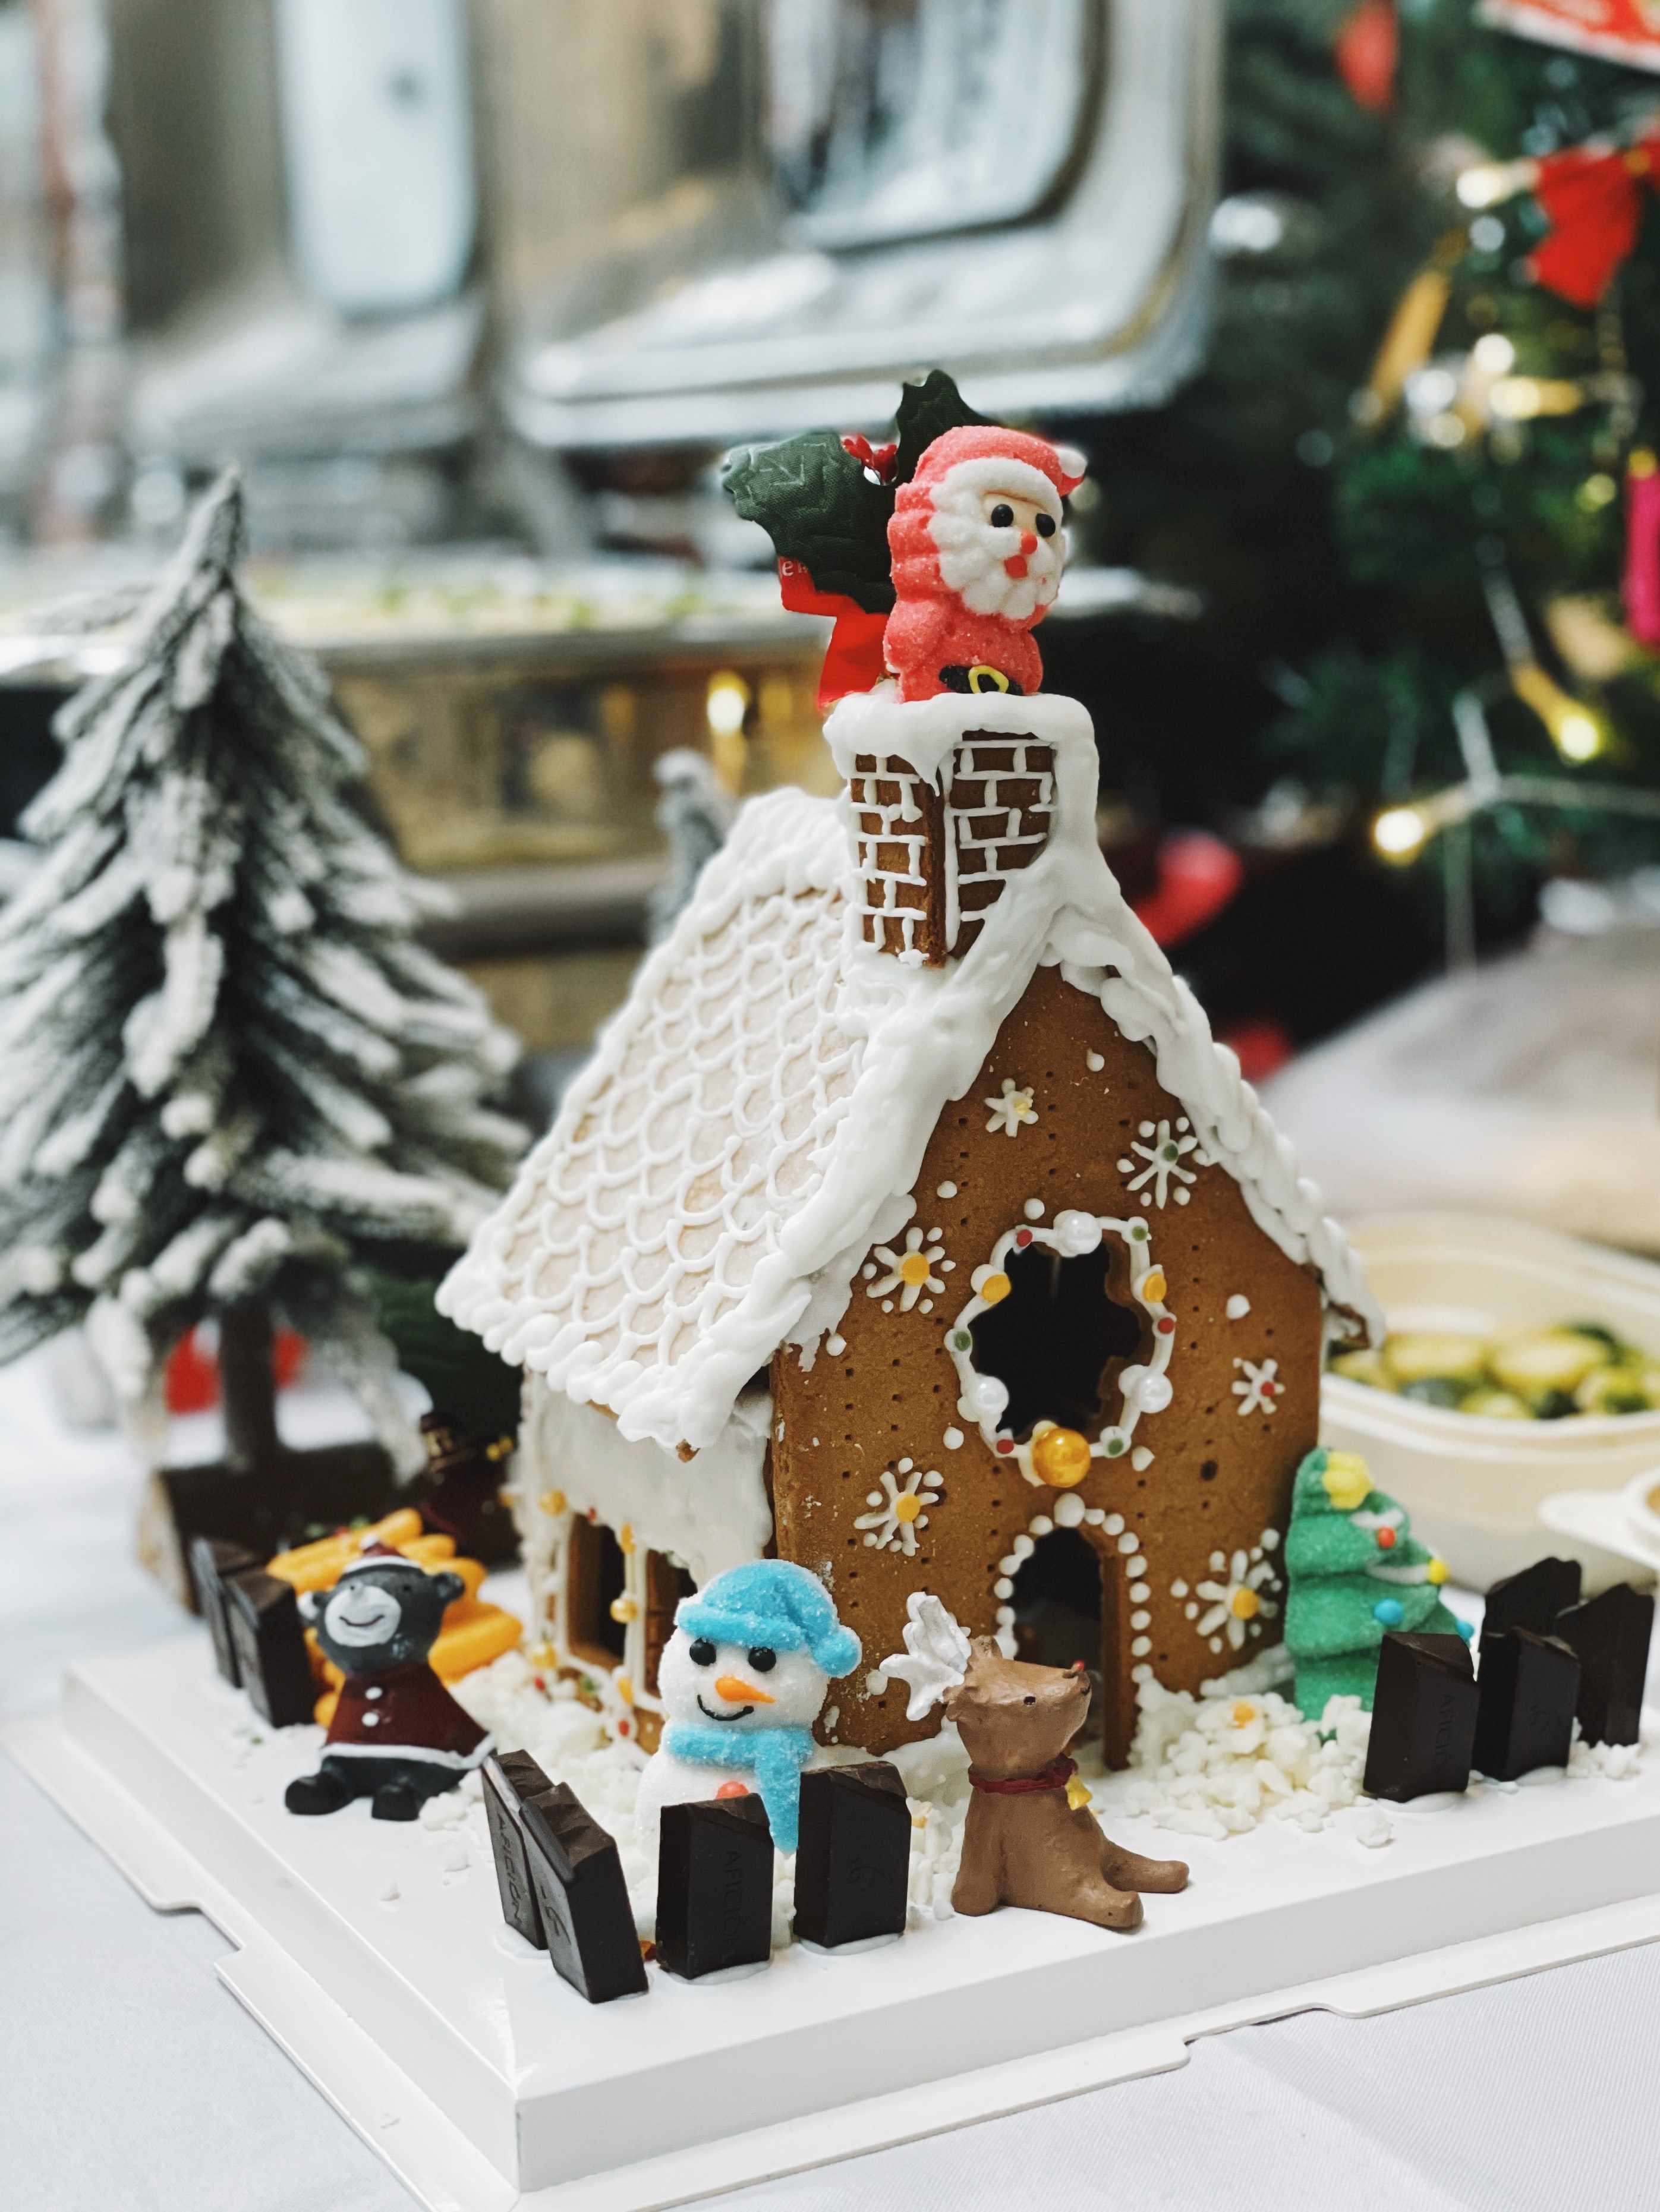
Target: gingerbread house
908 1222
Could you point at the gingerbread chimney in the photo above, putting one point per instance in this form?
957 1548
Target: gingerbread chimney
932 860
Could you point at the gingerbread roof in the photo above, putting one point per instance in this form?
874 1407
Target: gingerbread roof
754 1117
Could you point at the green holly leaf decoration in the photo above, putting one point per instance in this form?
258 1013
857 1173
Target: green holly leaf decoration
819 506
822 506
927 411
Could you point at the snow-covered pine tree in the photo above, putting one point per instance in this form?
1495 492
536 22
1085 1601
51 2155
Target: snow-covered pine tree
229 1075
695 814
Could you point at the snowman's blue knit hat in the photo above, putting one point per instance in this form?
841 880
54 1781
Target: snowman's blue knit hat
772 1602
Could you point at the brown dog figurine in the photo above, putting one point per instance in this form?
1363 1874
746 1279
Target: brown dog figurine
1026 1841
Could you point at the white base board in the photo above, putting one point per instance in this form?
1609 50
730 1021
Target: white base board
485 2082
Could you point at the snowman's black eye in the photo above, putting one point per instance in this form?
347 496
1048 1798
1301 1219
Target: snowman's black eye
702 1652
1044 526
1002 517
763 1659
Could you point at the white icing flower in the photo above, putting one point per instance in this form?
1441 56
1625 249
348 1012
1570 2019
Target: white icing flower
898 1515
1237 1603
1258 1389
911 1271
1163 1155
1011 1110
935 1657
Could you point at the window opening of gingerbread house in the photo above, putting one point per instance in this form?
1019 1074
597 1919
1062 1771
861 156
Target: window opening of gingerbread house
1057 1602
1051 1341
667 1583
596 1574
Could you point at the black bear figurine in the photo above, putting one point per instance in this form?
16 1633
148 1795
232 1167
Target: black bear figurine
398 1737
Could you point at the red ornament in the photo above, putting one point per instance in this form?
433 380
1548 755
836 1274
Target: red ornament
970 590
1385 1539
1641 582
1366 50
1023 1237
1005 1443
1166 1325
732 1789
1594 203
1198 874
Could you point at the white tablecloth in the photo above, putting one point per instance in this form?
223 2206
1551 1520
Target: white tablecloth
132 2079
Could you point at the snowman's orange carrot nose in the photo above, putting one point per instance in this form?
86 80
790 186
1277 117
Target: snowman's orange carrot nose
738 1691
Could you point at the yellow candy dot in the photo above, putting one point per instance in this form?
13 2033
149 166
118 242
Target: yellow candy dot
1154 1286
1244 1605
907 1505
552 1501
1244 1713
1060 1458
543 1654
914 1268
623 1609
624 1688
625 1539
1345 1480
1435 1571
994 1289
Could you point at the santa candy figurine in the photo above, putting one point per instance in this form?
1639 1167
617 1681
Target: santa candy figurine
742 1680
977 550
398 1737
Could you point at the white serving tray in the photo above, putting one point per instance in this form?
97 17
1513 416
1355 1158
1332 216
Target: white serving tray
484 2082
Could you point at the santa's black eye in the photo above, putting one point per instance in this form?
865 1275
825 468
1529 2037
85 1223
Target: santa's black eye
1002 517
763 1659
702 1652
1044 526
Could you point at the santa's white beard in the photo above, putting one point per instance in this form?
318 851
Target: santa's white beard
972 554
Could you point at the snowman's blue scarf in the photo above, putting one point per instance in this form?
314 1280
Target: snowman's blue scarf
774 1756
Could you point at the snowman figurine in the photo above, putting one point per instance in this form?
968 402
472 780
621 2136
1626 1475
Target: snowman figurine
742 1680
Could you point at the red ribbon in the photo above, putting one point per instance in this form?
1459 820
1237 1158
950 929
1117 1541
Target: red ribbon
1594 204
1055 1777
853 659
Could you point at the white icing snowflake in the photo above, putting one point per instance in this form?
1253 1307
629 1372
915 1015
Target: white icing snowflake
911 1271
1164 1156
1008 1112
1257 1389
1237 1603
900 1513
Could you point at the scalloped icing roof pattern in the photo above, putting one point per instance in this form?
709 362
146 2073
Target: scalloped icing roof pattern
753 1119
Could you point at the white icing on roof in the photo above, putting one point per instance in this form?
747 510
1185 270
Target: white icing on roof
754 1118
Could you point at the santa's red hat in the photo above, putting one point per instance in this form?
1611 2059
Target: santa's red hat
1063 466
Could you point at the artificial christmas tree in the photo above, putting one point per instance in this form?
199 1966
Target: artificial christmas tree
229 1075
1354 1572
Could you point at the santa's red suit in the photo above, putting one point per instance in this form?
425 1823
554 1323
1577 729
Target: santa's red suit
968 591
406 1713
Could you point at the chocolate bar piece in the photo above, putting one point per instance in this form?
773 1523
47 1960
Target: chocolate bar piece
512 1779
263 1616
212 1563
714 1867
587 1922
1610 1635
1531 1599
853 1862
1423 1717
1527 1690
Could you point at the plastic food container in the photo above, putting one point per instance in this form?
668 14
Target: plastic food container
1472 1486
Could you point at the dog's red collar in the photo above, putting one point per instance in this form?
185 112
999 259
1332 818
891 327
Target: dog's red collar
1054 1776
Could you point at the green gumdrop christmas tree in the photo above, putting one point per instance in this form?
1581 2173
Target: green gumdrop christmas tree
1354 1572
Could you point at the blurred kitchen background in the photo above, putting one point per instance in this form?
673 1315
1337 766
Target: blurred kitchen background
479 292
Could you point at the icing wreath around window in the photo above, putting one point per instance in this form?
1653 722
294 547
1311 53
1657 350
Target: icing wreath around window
1034 1389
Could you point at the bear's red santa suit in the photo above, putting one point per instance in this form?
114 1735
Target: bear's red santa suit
403 1712
977 551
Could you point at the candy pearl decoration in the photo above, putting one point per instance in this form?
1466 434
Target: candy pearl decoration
1068 1510
989 1397
1061 1458
1389 1611
1154 1392
1076 1232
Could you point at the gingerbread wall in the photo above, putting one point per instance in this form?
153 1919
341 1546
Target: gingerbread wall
1218 1478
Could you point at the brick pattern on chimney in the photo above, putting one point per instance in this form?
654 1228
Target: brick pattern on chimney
899 825
1000 809
931 865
